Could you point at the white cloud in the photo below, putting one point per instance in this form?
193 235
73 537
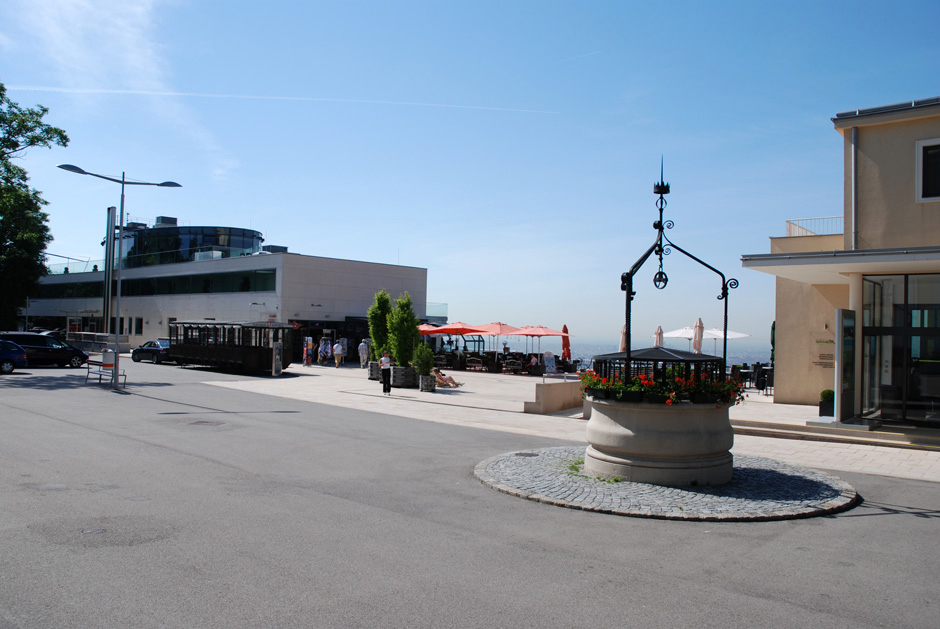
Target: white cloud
110 47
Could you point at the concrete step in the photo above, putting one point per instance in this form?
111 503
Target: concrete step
914 438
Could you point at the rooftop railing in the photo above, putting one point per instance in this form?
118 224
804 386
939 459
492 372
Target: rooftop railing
823 226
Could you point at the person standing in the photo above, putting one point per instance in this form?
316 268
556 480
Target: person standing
338 353
386 364
363 354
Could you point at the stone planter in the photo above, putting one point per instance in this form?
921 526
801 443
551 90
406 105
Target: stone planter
673 445
375 372
404 377
827 408
428 384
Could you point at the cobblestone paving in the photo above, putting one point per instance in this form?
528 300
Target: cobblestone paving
760 489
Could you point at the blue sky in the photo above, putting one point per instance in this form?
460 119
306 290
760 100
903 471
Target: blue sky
508 147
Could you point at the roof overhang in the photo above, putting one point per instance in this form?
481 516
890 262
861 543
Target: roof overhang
835 267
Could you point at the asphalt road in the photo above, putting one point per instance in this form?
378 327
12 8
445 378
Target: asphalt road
177 504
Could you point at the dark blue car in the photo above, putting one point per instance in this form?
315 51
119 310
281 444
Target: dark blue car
12 356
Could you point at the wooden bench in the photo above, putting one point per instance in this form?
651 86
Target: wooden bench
98 368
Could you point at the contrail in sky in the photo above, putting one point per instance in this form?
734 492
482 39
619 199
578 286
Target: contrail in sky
69 90
596 52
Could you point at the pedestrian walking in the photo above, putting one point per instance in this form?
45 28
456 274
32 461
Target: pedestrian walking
338 353
363 354
386 364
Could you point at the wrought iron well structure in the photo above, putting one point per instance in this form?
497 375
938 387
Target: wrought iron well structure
657 361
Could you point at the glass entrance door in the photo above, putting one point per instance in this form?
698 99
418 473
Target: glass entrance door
901 357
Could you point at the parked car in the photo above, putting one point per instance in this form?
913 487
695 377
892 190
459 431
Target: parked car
46 350
12 356
156 351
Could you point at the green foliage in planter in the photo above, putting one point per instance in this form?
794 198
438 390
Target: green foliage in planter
403 333
827 395
424 359
378 322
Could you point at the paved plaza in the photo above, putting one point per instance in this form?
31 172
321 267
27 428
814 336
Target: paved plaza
495 402
200 499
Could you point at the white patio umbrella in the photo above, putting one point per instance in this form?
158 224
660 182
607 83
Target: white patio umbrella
715 334
658 336
698 334
623 338
688 333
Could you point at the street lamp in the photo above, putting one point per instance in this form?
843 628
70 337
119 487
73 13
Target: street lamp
117 270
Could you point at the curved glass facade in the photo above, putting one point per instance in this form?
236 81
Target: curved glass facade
168 245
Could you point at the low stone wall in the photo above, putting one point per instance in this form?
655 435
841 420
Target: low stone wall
551 397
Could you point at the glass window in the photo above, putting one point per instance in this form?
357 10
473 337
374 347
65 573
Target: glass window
243 282
265 280
138 326
931 171
221 282
924 300
883 301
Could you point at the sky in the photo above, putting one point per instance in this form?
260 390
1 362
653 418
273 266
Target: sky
508 147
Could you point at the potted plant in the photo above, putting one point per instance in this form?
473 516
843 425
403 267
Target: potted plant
424 362
378 330
827 401
403 337
592 385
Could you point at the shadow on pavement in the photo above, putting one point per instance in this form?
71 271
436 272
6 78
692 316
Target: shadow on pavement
40 382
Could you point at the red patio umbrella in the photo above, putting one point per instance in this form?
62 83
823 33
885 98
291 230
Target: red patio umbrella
540 331
426 328
565 344
458 327
498 329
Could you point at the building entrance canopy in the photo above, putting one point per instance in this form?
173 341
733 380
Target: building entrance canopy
834 267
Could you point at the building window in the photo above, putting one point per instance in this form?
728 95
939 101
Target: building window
138 326
928 171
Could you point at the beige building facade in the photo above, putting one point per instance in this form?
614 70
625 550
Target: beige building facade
879 259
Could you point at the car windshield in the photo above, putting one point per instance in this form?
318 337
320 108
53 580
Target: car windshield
162 343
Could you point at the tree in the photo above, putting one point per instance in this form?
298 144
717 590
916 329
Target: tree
403 332
24 232
378 322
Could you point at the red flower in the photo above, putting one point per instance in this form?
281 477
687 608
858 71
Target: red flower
669 401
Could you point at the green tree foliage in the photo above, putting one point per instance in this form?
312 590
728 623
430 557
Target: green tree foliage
378 322
424 359
403 333
24 232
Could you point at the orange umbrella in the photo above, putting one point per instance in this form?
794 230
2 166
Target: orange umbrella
565 344
426 329
458 327
540 331
498 329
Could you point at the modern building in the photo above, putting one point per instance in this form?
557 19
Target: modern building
172 272
881 260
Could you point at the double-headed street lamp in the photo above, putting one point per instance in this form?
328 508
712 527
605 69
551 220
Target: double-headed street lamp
109 251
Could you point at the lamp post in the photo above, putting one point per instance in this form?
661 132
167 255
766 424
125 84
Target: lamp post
117 269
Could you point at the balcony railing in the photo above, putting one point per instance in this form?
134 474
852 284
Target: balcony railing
824 226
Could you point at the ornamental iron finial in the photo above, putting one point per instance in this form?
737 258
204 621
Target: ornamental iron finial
660 279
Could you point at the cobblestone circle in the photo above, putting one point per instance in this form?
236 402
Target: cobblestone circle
760 489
